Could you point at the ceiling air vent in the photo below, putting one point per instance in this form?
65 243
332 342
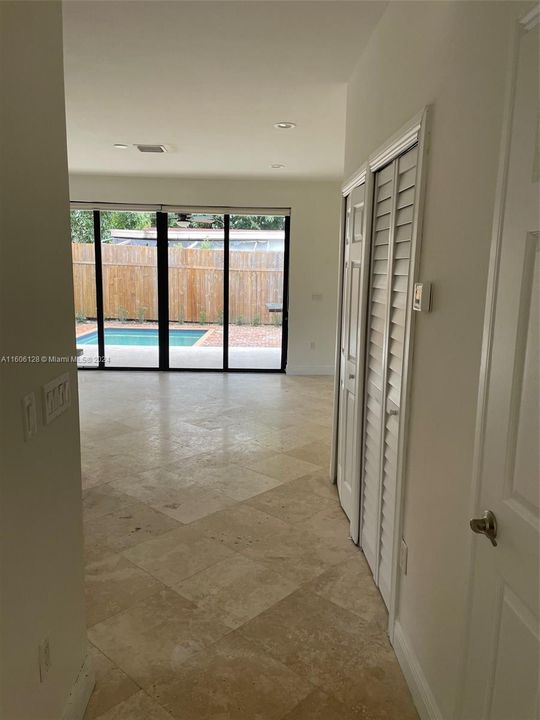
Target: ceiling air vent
151 148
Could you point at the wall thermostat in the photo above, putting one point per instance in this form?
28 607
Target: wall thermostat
422 297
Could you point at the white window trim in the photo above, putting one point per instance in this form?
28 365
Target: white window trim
213 210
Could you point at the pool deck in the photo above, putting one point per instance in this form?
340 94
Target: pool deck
250 347
196 356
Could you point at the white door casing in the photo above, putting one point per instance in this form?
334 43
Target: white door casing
501 669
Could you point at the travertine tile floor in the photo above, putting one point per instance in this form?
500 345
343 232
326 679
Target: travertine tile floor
221 582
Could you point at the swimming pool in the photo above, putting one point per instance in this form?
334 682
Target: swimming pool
142 338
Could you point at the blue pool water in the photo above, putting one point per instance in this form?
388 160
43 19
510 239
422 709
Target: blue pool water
141 338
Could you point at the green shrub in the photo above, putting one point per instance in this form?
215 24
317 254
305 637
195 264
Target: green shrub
256 320
202 317
122 314
239 320
80 317
141 314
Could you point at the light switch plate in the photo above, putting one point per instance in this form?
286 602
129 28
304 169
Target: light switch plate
422 297
56 397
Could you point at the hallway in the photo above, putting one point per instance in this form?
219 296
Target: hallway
220 579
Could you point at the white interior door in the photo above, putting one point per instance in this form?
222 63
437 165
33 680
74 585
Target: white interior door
502 672
348 477
392 237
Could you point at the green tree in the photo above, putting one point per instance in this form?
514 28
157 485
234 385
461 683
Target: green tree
82 226
82 223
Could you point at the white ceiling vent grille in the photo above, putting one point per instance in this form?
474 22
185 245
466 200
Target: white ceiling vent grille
151 148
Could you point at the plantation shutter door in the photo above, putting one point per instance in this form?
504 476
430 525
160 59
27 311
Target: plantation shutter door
375 341
405 179
393 206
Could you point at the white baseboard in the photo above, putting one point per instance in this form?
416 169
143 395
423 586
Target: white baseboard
310 370
414 675
80 692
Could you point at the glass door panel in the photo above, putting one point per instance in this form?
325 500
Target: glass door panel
196 262
84 286
256 282
130 297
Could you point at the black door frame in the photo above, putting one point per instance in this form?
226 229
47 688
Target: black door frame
162 270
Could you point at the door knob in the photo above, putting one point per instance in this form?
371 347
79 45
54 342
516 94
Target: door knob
351 376
486 525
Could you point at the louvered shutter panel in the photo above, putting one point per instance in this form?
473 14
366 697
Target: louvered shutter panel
391 240
384 190
400 261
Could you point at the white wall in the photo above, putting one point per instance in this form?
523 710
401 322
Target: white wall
41 570
453 56
315 210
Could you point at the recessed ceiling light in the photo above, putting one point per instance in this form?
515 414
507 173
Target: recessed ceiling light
277 166
120 146
285 125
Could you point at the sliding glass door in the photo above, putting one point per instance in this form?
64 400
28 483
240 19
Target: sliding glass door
256 283
130 298
180 290
195 261
83 253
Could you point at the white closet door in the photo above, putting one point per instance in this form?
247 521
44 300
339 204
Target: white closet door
390 277
397 313
350 378
375 341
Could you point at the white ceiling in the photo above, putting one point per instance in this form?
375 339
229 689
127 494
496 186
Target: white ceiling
208 80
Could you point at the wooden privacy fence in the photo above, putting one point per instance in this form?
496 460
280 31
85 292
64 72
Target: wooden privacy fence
195 284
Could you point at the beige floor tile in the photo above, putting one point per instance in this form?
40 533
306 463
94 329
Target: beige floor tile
236 589
331 526
130 525
114 584
350 585
283 467
294 554
232 680
155 636
290 502
112 685
98 469
178 554
137 707
180 497
286 439
164 449
193 504
241 453
239 527
335 650
241 483
316 452
99 500
319 483
321 706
